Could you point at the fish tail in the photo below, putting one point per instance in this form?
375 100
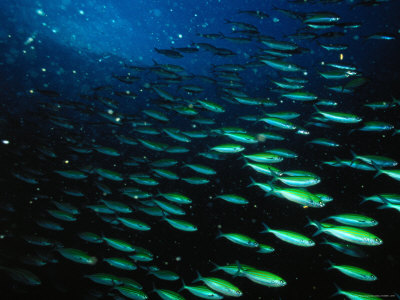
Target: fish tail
338 291
266 228
314 223
364 199
216 267
252 182
316 108
354 157
246 162
274 177
395 101
220 234
238 270
338 160
324 241
183 286
385 201
378 169
330 264
318 225
199 277
154 290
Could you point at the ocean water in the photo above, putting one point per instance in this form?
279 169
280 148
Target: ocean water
64 72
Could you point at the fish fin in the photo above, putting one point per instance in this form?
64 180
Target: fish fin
266 228
246 162
324 242
338 291
154 290
318 225
199 277
330 265
240 268
316 108
216 267
252 182
338 160
183 286
384 200
351 131
378 169
310 222
364 199
354 157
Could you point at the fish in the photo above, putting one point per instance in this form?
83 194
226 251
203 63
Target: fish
219 285
353 272
239 239
201 291
290 237
349 234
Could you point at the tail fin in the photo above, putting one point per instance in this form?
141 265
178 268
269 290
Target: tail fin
253 182
316 108
220 234
183 286
351 131
354 157
365 199
331 265
378 169
316 224
217 268
246 162
239 270
199 277
338 292
266 228
385 201
324 242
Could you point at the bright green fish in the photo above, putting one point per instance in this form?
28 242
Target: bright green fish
181 225
228 148
290 237
77 256
354 220
354 272
347 233
219 285
201 291
239 239
232 198
355 295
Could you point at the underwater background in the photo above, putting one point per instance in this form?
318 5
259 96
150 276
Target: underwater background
129 130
